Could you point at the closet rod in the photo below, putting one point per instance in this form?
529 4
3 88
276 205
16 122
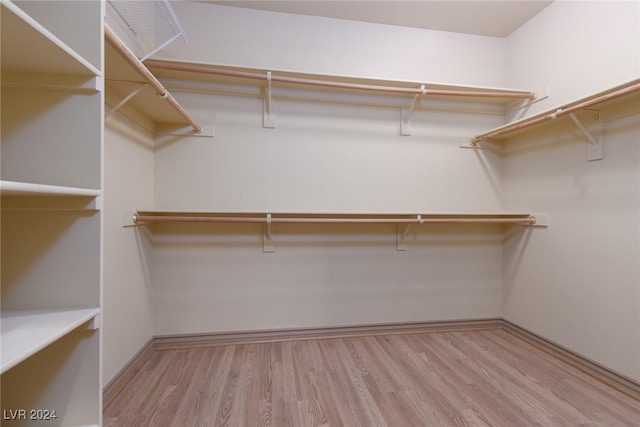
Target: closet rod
336 84
528 220
558 113
126 53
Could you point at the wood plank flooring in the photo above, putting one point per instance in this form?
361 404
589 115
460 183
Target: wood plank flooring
471 378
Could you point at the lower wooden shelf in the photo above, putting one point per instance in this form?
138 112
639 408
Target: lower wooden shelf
24 333
142 216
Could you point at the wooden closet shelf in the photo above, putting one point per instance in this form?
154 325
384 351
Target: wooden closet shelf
188 71
509 129
261 218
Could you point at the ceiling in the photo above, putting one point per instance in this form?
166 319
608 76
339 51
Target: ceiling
496 18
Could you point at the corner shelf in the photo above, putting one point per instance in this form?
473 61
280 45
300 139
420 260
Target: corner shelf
133 83
122 79
24 333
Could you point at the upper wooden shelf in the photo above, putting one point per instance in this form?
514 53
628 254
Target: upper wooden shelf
614 94
29 47
129 84
210 73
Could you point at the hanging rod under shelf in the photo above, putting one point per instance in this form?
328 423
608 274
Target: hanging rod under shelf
608 96
173 66
517 219
162 92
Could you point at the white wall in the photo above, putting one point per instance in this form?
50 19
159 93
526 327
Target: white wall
278 41
575 283
578 282
216 278
127 301
326 158
575 48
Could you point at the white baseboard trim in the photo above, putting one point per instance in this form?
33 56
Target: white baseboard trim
172 342
126 374
614 379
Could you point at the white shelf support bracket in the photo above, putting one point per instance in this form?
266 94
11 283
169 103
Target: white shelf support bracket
403 232
269 119
595 149
267 246
406 112
71 84
126 99
93 324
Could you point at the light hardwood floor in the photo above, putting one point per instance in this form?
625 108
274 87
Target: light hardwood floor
471 378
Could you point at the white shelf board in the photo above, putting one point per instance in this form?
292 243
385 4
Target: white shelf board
26 188
28 46
24 333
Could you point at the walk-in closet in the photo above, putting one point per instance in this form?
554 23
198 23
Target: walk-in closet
318 213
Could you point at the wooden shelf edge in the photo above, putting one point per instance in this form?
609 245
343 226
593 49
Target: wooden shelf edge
24 333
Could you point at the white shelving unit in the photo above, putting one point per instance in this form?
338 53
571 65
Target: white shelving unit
51 186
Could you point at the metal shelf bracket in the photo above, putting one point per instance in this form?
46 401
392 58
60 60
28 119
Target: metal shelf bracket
406 112
126 99
267 245
402 233
269 118
595 149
